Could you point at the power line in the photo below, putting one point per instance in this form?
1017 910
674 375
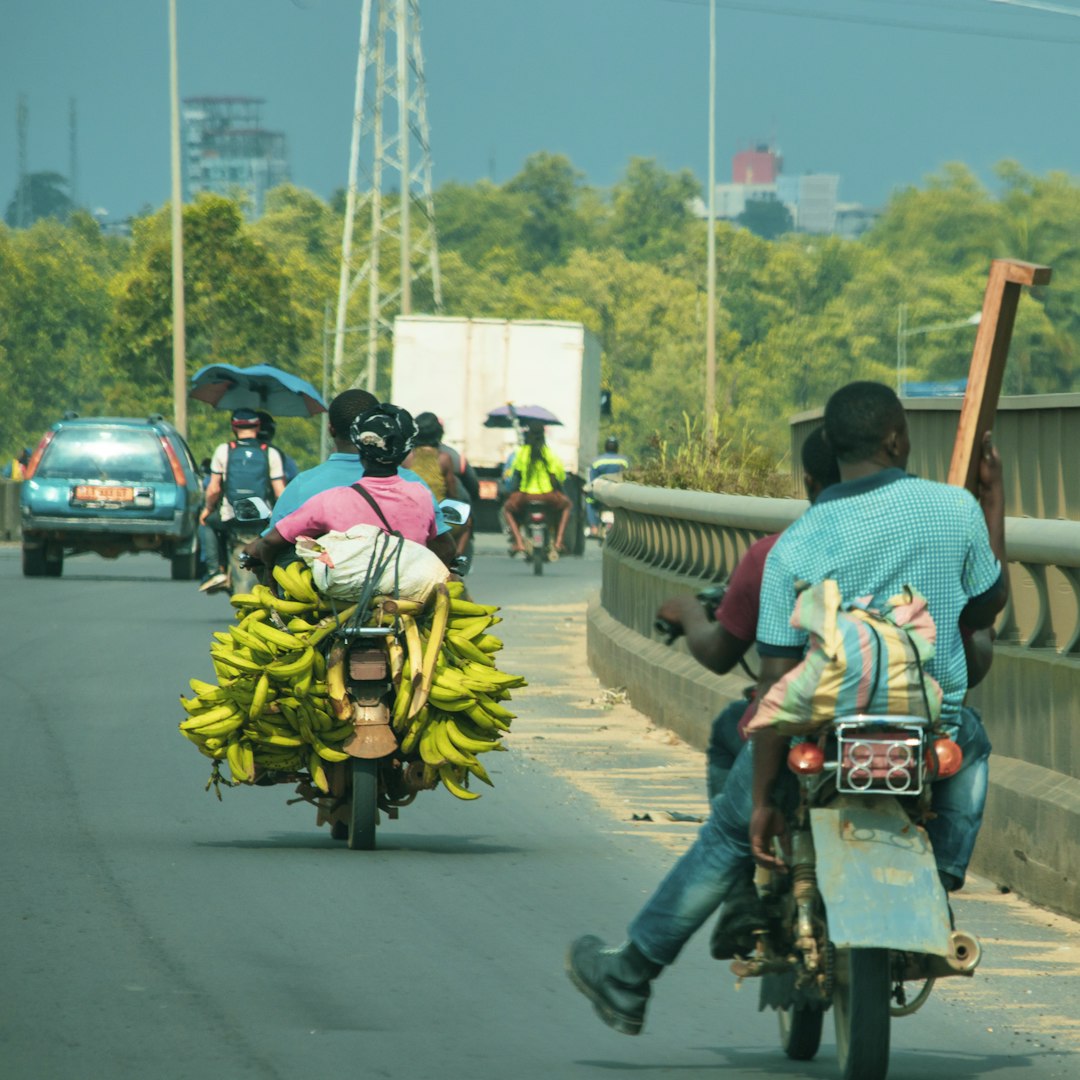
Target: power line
887 23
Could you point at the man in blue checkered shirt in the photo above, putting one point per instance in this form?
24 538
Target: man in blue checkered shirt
876 531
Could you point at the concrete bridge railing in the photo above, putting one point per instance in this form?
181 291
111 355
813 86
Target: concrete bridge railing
665 542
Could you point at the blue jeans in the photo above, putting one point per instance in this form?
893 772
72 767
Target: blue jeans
725 742
698 883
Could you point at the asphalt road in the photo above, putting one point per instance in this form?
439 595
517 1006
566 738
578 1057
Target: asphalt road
150 930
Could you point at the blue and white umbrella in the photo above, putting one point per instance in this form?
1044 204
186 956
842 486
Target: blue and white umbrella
226 386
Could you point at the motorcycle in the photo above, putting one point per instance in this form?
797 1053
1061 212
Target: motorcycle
537 534
861 914
378 778
251 516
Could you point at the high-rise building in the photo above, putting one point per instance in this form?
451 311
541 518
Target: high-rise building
229 152
761 165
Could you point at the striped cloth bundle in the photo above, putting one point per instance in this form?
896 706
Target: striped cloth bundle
859 660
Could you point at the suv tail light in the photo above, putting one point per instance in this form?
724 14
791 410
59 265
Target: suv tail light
174 462
35 458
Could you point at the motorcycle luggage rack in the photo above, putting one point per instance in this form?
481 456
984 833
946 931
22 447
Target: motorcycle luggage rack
880 755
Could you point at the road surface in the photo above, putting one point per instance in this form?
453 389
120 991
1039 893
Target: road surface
150 930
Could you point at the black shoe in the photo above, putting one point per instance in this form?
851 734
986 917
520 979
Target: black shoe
616 981
741 919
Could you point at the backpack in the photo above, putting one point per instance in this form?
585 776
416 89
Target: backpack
247 472
860 659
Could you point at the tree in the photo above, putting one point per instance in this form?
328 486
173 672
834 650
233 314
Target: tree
238 300
39 195
650 211
54 307
767 218
549 186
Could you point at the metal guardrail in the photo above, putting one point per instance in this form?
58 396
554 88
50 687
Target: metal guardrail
683 538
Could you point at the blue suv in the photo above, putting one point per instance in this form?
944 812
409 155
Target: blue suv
110 485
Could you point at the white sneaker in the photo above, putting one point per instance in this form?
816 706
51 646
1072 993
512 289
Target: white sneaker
213 583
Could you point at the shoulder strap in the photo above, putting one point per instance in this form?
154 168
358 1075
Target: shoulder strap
361 490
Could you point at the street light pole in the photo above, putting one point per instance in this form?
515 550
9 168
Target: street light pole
179 368
903 333
710 317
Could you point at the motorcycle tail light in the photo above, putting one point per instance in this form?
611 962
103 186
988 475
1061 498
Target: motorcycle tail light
949 757
806 759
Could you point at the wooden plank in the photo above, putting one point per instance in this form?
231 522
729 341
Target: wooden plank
1007 278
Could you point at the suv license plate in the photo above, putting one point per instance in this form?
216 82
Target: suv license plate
90 493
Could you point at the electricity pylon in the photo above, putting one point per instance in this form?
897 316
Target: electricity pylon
390 136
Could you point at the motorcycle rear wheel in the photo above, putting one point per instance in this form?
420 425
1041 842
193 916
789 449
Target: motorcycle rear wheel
539 557
363 804
861 1001
800 1032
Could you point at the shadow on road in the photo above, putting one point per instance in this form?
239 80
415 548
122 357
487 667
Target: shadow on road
903 1065
411 843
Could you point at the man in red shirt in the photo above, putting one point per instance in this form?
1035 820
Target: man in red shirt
721 642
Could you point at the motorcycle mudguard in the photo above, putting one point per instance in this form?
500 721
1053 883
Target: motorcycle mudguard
877 876
372 736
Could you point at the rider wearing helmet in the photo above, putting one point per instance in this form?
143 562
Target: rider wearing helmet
244 467
383 436
609 463
267 431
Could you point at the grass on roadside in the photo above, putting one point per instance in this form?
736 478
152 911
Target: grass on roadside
733 463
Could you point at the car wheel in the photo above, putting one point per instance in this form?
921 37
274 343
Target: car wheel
33 561
54 562
185 565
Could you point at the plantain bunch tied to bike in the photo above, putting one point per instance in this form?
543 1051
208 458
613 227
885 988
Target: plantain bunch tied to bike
360 705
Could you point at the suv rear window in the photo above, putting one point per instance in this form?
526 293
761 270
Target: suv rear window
105 453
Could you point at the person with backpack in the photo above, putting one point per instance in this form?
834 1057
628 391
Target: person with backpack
267 431
246 467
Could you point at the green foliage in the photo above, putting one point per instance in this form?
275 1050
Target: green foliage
86 321
732 464
39 195
238 303
767 218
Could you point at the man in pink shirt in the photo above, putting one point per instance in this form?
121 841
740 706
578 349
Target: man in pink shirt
383 436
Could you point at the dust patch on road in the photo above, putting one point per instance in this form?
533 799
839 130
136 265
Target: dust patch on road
592 736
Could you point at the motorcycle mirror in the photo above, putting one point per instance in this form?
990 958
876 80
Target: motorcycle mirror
454 511
249 510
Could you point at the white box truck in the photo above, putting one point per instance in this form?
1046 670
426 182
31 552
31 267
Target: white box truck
461 369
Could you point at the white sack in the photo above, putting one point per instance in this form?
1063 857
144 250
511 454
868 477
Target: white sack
340 562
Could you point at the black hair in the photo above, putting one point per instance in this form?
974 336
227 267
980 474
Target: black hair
818 459
429 429
858 417
267 424
346 407
611 445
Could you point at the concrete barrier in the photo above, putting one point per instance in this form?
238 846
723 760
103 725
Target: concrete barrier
10 529
1028 841
667 542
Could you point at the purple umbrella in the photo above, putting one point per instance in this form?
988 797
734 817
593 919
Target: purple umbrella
508 416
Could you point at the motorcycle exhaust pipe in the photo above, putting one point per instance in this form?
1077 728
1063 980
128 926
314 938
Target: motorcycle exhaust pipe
965 952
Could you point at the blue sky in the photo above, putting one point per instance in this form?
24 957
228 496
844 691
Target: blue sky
864 89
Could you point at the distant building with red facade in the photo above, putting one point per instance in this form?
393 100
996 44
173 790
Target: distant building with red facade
758 166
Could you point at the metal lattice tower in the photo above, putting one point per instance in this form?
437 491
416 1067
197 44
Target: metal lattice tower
389 136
